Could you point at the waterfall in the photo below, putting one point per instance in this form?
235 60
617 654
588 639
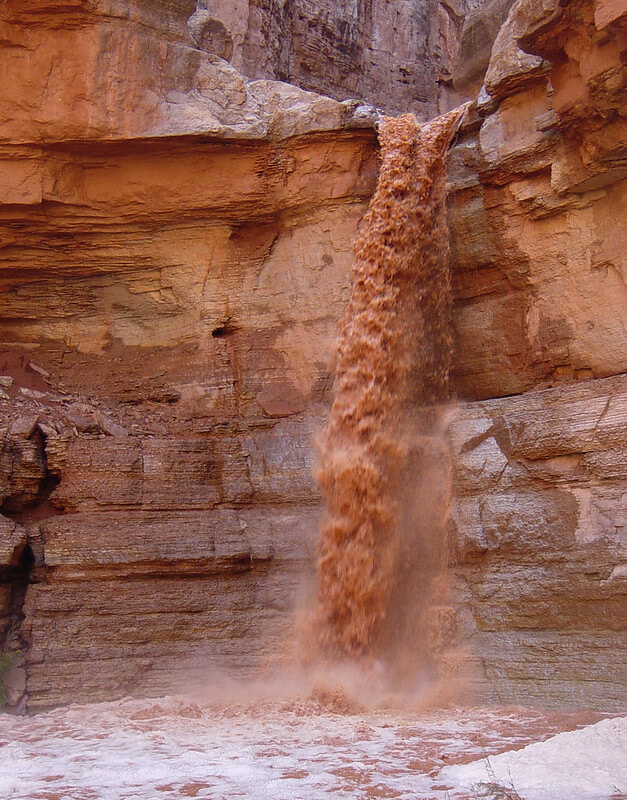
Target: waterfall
392 373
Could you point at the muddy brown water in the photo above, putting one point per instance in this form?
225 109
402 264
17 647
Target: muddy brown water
384 468
268 749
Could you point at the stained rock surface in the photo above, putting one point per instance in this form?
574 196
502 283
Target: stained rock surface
536 216
400 56
175 250
537 195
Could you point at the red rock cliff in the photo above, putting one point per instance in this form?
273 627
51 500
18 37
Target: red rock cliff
174 255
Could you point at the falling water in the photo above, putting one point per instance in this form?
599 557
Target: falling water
382 582
393 362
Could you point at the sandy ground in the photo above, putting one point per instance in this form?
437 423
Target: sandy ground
308 749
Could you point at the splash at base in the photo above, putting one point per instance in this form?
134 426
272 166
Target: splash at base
299 749
394 358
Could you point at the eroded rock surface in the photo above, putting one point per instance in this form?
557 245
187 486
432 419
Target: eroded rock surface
537 533
399 56
537 195
174 256
129 68
186 341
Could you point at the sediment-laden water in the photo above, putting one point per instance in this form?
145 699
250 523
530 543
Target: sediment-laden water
383 469
302 749
382 596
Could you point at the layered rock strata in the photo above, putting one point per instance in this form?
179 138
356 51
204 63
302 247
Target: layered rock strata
398 56
121 69
174 257
168 302
537 194
537 534
167 356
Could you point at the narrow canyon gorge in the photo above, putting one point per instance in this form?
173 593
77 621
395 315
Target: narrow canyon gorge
182 184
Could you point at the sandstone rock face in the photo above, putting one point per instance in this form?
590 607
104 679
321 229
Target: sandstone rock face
185 321
537 188
537 532
398 56
175 245
168 310
122 69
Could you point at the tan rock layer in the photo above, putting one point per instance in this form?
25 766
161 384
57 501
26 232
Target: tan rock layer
535 210
538 529
167 316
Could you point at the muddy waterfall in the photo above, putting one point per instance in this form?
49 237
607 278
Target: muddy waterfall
382 467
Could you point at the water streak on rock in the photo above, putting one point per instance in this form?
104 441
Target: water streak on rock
394 358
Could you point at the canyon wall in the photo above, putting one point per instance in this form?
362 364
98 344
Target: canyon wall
175 246
175 251
399 56
536 214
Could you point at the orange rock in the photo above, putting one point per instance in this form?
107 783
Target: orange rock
175 246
